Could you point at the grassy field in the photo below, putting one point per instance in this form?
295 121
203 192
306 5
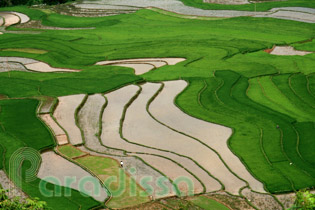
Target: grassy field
260 6
207 203
232 81
70 151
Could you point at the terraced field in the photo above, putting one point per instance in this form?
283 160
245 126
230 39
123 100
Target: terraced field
222 108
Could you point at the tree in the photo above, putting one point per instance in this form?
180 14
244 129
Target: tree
16 204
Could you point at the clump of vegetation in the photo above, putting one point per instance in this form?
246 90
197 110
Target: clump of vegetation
304 200
17 204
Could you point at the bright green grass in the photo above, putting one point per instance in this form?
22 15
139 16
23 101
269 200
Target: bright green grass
208 204
283 84
289 138
307 46
70 151
280 101
251 7
21 128
257 91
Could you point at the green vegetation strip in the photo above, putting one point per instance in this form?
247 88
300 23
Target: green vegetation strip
259 6
208 204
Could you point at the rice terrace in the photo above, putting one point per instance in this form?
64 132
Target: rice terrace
157 104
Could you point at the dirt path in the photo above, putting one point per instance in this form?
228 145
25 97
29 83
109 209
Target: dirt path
59 168
65 116
213 135
140 128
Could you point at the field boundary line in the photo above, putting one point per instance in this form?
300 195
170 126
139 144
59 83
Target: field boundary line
121 134
196 139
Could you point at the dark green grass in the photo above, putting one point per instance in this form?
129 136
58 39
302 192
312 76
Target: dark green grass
311 84
306 145
289 137
21 128
298 83
264 6
21 114
22 84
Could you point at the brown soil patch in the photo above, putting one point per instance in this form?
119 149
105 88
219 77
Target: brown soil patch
3 96
62 139
232 202
7 184
261 201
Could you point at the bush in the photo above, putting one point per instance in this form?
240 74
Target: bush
304 200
